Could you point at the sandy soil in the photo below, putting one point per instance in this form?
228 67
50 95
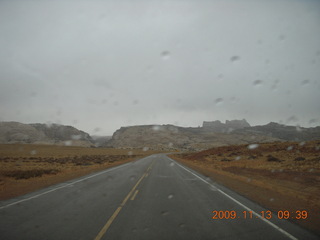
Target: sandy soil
26 167
278 176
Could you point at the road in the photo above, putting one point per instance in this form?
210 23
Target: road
151 198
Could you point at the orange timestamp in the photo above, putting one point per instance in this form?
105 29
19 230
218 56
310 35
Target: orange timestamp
282 214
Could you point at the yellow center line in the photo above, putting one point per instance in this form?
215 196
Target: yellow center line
134 195
115 214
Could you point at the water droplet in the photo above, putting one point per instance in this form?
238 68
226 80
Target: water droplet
237 158
76 137
165 55
132 178
302 143
156 128
182 225
305 82
171 164
313 120
282 37
220 77
289 148
164 213
49 124
218 101
170 196
234 58
135 102
271 199
145 149
130 153
33 152
311 170
298 128
248 179
68 143
292 119
97 129
253 146
257 83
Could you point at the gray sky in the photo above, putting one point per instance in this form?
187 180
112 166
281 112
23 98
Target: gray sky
100 65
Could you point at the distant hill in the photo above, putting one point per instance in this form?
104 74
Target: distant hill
169 137
158 137
288 133
15 132
211 134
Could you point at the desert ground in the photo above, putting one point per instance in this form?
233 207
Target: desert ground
27 167
278 176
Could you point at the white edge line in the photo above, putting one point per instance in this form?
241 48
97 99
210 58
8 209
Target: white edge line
66 185
242 205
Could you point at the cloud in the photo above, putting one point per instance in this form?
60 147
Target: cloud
104 64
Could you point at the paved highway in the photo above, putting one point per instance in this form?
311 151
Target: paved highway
151 198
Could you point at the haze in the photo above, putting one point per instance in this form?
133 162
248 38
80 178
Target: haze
100 65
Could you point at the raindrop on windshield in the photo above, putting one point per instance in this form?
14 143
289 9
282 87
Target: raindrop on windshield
164 213
311 121
282 37
156 128
165 55
234 58
292 119
135 102
68 143
257 83
76 137
253 146
289 148
305 82
171 164
33 152
145 149
220 77
132 178
218 101
170 196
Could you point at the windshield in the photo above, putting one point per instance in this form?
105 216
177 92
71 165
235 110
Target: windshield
229 88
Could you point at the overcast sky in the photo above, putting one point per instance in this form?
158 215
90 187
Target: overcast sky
99 65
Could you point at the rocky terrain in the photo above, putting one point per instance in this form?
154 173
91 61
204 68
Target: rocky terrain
169 137
211 134
288 133
229 126
15 132
158 137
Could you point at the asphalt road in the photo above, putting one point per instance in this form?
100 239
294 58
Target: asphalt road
151 198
